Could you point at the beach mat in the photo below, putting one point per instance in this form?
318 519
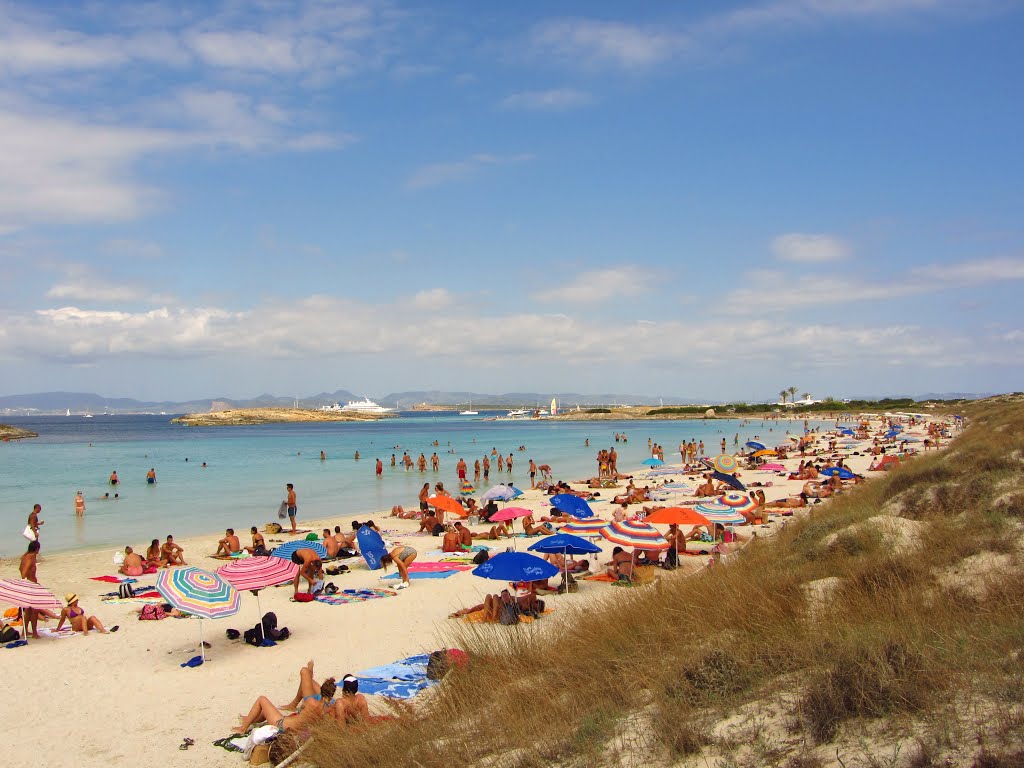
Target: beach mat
421 575
354 596
402 679
602 577
477 617
429 567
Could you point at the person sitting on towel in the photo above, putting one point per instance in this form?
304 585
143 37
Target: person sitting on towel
311 709
229 545
132 565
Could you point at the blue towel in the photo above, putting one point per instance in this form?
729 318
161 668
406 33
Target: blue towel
400 680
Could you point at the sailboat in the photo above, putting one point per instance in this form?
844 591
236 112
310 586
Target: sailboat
469 411
554 407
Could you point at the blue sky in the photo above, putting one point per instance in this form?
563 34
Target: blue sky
716 200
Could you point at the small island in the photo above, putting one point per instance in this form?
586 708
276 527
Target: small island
244 416
7 432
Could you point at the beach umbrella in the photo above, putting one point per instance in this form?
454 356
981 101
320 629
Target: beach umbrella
289 547
516 566
652 462
765 452
729 480
632 533
572 505
721 514
199 593
508 514
755 445
258 572
466 488
23 593
499 493
847 431
843 472
726 464
676 516
590 527
565 544
448 504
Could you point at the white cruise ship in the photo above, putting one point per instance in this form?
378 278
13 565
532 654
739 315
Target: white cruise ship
366 405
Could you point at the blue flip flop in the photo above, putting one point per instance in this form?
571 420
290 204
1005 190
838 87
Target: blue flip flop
195 661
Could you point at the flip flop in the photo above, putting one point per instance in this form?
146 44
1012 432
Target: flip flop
115 628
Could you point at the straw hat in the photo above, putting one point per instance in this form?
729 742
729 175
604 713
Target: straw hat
70 598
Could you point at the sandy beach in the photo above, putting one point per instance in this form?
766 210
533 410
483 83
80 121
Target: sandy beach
150 703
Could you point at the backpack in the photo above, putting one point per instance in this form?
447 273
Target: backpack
438 530
254 636
9 634
481 557
151 612
125 591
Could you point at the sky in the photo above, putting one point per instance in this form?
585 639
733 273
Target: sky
718 200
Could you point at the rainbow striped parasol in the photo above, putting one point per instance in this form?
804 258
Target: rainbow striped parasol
737 501
198 592
726 464
589 527
630 533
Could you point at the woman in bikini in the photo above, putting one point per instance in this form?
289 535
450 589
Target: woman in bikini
402 557
309 690
351 706
75 616
311 708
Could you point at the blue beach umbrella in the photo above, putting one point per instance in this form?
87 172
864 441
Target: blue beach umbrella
729 480
285 550
565 544
755 445
652 462
572 505
516 566
843 472
848 432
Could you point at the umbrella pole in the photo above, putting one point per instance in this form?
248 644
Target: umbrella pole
202 648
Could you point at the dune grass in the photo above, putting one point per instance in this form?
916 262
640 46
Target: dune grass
792 653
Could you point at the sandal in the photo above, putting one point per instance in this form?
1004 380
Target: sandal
186 743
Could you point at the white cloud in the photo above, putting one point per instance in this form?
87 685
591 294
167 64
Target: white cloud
433 300
600 285
597 43
445 173
809 249
82 283
554 99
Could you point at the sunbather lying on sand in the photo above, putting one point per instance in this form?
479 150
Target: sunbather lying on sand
532 528
491 606
792 502
311 707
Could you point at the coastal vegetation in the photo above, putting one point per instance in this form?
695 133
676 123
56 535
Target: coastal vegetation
7 432
883 628
243 416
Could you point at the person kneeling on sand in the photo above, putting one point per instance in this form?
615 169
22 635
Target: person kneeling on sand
132 565
75 616
621 566
311 707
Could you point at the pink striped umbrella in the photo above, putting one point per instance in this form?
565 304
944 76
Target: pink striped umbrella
27 594
258 572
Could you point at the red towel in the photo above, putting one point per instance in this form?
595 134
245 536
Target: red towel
108 579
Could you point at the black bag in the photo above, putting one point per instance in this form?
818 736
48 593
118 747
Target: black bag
438 530
270 630
254 636
481 557
125 591
9 634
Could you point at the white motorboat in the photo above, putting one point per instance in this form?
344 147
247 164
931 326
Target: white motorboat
469 411
366 405
518 413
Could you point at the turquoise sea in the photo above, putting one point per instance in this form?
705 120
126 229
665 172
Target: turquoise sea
247 468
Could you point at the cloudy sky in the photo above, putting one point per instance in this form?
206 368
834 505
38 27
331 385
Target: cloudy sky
706 199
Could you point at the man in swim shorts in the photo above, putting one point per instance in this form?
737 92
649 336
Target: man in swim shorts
310 568
151 476
171 553
229 545
292 505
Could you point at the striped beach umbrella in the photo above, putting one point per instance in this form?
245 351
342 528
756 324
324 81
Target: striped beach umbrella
285 550
737 501
631 533
27 594
676 516
200 593
720 513
726 463
466 488
258 572
590 527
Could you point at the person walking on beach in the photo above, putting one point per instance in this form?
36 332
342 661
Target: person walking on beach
293 507
79 505
533 474
33 520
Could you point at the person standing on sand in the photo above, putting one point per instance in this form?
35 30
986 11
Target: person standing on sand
293 507
79 505
533 474
27 570
33 520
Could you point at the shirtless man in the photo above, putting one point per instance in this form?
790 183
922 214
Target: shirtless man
171 553
310 568
533 474
292 504
133 564
331 543
465 536
435 462
229 545
27 569
33 520
460 470
428 522
707 488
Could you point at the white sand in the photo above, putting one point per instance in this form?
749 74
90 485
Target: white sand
120 698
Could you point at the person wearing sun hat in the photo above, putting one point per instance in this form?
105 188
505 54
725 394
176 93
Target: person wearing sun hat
75 616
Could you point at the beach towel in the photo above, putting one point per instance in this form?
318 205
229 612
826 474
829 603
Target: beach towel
143 598
354 596
53 634
401 680
430 567
421 575
602 577
477 617
115 579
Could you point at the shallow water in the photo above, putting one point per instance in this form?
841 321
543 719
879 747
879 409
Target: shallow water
248 466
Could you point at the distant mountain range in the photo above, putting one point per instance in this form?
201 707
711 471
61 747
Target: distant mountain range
88 402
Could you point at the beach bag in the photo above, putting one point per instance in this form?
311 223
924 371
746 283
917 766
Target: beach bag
125 591
272 528
151 613
270 628
481 557
254 636
282 511
438 530
28 533
9 634
304 597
